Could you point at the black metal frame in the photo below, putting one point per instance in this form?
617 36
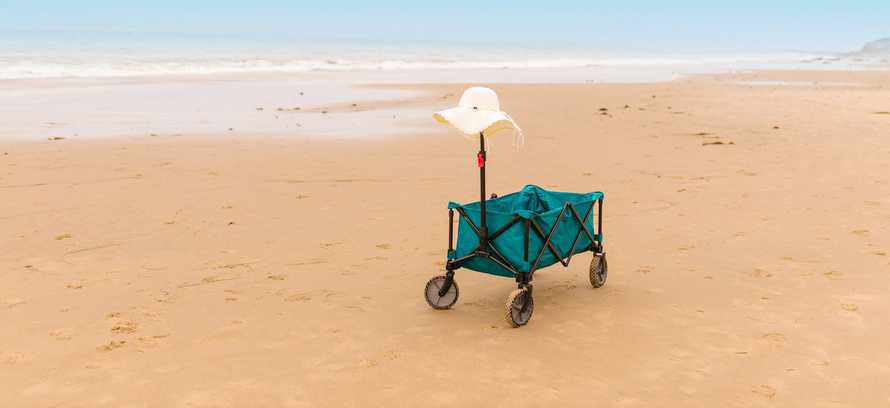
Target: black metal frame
487 249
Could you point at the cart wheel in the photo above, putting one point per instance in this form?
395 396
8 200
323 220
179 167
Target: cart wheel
515 315
599 270
431 293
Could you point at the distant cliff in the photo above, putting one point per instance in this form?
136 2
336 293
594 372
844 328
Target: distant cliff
877 48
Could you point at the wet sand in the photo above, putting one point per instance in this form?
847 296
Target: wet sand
215 270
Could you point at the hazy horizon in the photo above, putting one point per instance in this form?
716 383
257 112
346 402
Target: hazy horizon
634 27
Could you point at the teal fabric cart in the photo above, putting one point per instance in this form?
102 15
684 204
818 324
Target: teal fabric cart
517 234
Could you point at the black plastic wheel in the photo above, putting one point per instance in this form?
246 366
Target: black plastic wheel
445 301
520 306
599 270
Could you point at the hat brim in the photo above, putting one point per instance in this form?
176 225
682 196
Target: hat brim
471 122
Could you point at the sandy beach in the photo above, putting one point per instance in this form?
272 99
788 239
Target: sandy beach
746 221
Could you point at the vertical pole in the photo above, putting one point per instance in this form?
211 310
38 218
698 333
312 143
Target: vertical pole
481 158
450 230
599 224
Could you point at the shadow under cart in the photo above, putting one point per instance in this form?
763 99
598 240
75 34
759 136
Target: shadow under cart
517 234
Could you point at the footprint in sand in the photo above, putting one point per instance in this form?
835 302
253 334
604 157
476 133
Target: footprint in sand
775 338
374 362
760 273
299 297
367 363
165 297
565 285
111 345
152 341
124 328
833 275
390 355
61 334
12 357
764 391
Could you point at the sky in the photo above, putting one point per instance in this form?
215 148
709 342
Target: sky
641 25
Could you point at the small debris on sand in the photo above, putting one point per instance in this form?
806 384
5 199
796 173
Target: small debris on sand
718 142
260 109
64 236
776 127
384 246
55 138
604 109
882 113
324 112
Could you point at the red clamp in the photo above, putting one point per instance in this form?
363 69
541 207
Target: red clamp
481 159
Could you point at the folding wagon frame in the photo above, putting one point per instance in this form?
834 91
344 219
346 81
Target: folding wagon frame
442 291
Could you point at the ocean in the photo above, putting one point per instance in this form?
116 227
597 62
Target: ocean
74 84
73 54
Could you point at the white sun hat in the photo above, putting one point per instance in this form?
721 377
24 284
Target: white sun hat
478 111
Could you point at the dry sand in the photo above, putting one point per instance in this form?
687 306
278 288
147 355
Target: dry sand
273 271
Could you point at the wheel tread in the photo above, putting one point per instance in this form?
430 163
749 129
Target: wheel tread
598 264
